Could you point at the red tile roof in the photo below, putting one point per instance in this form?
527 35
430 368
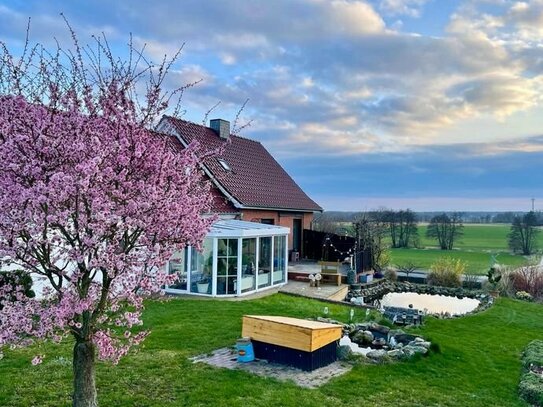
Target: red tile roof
256 180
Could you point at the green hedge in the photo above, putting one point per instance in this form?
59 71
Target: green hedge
531 384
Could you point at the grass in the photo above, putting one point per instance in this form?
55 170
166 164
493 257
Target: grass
491 237
475 247
478 262
479 363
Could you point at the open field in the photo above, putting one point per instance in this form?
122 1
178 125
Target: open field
478 261
491 237
475 247
478 365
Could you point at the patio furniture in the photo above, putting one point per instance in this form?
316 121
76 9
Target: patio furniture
330 270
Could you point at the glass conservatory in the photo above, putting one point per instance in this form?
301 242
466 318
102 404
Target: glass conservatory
237 258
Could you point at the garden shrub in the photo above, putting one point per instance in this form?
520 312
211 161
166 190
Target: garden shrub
446 272
524 296
528 279
533 354
390 274
531 389
531 380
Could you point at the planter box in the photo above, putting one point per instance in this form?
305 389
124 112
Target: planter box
296 342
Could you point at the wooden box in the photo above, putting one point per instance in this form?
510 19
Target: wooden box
297 342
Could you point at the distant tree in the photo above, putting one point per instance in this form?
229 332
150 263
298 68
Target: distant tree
504 217
370 231
446 229
522 237
407 268
402 226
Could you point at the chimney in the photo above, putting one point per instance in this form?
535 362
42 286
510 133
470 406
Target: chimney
221 127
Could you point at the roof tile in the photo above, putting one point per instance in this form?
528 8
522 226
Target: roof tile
255 179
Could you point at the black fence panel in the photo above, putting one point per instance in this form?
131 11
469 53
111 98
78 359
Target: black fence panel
327 246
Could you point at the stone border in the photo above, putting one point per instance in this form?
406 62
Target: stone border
376 292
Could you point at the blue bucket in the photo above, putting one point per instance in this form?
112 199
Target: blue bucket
245 350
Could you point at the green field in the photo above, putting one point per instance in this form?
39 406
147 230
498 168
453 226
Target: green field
478 365
475 247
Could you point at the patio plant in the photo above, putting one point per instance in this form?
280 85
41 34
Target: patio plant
92 201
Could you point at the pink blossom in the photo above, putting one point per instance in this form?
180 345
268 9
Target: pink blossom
38 359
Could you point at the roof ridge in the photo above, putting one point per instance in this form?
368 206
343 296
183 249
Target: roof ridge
206 127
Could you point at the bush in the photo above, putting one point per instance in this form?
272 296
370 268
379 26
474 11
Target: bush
531 381
528 279
471 281
446 272
524 296
533 354
390 274
531 389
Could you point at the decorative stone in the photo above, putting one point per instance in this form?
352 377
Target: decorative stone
344 352
396 354
362 337
416 349
377 354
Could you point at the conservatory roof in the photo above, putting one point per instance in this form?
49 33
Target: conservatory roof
239 228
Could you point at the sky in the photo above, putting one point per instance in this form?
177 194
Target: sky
421 104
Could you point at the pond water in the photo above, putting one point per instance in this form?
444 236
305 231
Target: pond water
434 304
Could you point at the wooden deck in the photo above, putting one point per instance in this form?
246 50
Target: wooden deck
324 292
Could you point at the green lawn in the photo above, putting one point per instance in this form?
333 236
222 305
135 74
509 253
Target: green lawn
478 365
475 247
491 237
478 261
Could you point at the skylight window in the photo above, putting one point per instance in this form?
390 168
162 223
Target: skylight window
224 164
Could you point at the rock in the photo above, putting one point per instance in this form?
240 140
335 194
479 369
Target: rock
357 300
344 352
396 354
404 338
415 349
408 351
381 329
379 342
362 337
377 354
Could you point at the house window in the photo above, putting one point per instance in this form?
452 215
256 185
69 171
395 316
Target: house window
201 268
264 262
279 245
224 164
177 265
227 266
248 265
268 221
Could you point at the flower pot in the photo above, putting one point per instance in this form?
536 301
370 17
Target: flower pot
202 287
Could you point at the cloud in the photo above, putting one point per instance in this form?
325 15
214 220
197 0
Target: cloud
329 76
410 8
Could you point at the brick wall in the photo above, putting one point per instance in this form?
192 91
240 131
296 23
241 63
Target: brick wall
280 218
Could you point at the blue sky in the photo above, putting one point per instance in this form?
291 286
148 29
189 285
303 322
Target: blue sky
427 104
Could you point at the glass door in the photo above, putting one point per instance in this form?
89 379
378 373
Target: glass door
227 266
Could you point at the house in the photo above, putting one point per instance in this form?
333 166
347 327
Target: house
249 184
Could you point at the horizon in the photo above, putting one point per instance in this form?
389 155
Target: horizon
419 104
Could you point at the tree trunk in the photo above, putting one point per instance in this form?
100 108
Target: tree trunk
84 377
